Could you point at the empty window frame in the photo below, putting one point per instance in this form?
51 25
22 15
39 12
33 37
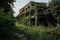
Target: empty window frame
32 12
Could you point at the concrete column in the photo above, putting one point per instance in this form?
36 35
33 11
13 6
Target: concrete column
35 16
58 25
36 21
29 18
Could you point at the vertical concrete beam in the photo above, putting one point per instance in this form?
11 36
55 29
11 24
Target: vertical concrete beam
29 19
35 16
36 21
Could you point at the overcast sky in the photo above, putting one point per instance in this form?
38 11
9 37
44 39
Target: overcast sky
20 3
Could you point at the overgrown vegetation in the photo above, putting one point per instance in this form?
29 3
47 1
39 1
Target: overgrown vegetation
11 31
41 32
7 21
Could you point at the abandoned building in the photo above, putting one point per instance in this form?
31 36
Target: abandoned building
33 15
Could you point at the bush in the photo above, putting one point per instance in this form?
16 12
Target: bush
38 33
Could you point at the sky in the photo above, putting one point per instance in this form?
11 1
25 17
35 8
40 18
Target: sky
20 3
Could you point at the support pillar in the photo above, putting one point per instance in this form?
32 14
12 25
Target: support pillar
36 16
36 21
29 19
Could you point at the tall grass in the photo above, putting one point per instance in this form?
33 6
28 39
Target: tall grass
39 33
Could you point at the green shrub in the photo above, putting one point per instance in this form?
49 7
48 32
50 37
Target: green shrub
38 33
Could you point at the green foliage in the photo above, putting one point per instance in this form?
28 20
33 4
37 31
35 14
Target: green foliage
38 33
6 5
54 3
7 26
27 18
41 33
5 19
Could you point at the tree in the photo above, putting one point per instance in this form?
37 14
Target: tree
7 21
55 6
54 3
6 4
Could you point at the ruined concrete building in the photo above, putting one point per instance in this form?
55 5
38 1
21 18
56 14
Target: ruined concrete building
32 14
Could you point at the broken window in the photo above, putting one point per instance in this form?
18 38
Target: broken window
58 8
23 10
33 4
28 6
27 14
32 21
40 11
32 12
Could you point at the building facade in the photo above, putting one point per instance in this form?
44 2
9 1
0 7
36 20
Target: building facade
33 14
31 11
